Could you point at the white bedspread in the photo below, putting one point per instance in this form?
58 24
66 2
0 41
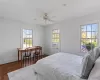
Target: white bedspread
60 66
26 73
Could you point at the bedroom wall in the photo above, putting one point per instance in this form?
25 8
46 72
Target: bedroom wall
70 33
10 38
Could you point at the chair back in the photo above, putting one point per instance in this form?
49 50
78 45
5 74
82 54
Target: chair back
38 49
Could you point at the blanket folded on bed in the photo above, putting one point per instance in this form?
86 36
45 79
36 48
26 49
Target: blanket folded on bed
60 66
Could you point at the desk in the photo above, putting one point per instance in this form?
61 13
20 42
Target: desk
21 51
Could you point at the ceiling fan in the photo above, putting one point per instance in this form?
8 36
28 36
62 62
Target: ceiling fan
46 17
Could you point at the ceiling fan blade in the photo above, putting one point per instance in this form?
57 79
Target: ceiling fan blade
51 20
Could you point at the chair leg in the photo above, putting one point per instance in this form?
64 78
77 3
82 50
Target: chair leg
34 58
39 56
23 62
30 60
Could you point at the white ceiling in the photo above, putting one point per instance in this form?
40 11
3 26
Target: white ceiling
31 11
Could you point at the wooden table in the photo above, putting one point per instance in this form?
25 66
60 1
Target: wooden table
21 51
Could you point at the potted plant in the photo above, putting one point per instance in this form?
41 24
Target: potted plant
89 46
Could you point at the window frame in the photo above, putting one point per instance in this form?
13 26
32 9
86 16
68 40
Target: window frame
56 45
56 34
27 38
91 34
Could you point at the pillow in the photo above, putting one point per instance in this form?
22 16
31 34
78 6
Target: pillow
95 72
91 52
87 66
96 52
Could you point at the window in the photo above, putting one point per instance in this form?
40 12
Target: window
27 38
55 37
89 34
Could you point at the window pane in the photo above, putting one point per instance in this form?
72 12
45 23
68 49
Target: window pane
54 31
83 45
58 36
94 42
89 28
30 36
83 28
57 40
53 36
83 35
89 35
30 43
88 41
86 45
94 34
30 32
24 31
94 27
97 35
83 41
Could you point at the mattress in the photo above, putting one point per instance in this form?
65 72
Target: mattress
60 66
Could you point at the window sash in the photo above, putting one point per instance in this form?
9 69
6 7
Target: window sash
27 39
89 31
55 36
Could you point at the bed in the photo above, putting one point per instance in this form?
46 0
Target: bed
60 66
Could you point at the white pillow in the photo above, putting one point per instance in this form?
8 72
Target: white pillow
87 66
91 52
96 52
95 73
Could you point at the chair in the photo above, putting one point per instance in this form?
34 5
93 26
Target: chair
38 53
27 57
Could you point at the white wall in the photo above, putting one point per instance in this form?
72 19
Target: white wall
70 33
10 38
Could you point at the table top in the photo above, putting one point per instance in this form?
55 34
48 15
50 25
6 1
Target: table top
29 48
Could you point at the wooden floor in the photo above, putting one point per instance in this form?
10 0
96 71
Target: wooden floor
4 69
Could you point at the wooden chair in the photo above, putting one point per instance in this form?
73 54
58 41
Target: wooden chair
27 57
38 53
